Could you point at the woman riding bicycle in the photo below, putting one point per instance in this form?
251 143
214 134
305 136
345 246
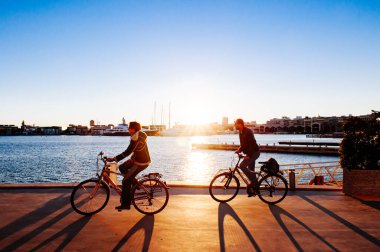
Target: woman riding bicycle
139 161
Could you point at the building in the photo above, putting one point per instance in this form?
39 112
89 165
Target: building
9 130
99 129
306 125
51 130
76 130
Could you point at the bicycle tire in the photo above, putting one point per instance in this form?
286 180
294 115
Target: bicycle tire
265 187
218 188
153 204
81 197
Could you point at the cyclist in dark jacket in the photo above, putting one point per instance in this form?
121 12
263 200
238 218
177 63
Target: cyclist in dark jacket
139 161
250 148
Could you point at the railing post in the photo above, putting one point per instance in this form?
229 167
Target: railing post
292 180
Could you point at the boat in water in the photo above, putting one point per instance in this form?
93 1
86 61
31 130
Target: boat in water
119 130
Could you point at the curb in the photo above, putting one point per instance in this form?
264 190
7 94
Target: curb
170 184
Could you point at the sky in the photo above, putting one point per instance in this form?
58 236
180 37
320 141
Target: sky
64 62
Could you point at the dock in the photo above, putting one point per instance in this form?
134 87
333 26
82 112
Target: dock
309 150
309 143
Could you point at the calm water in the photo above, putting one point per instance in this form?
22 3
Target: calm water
25 159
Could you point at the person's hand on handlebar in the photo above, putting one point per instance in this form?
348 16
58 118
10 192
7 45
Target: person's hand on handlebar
111 159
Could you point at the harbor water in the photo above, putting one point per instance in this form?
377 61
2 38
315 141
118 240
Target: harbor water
30 159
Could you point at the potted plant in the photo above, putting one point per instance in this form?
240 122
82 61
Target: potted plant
360 156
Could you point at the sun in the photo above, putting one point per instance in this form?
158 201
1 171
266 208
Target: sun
198 114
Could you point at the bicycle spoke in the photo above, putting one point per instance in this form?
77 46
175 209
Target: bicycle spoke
270 190
86 201
224 187
150 197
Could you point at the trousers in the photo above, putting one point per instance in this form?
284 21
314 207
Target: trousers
129 171
248 167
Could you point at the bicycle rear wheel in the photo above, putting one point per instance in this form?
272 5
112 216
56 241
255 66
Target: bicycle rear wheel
224 187
272 188
90 197
150 196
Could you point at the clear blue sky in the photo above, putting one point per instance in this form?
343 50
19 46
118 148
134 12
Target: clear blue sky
67 62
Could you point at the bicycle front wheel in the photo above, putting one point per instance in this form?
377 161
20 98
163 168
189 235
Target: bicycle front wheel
224 187
272 188
150 196
90 196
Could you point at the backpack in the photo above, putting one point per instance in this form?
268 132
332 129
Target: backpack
271 166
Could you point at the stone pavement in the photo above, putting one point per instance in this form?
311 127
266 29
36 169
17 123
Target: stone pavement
42 220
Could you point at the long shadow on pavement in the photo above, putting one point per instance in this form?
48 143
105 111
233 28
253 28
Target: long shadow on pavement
70 232
348 224
50 207
147 224
278 211
224 210
39 214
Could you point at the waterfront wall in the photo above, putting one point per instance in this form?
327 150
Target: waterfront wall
361 182
274 149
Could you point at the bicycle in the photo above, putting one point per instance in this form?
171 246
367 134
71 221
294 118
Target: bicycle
225 186
150 193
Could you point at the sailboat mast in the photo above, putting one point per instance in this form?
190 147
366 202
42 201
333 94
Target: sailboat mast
169 113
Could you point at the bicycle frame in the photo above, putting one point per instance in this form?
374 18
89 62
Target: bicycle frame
104 176
237 169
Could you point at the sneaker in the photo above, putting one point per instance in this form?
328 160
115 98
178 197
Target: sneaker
123 207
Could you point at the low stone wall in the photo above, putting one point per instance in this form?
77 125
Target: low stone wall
361 182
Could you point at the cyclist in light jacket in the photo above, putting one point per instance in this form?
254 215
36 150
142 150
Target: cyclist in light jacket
139 161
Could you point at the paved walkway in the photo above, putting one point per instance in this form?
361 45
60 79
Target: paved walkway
42 220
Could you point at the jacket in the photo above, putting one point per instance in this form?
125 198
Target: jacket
248 144
139 147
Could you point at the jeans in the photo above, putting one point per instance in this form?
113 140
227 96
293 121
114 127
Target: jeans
248 167
129 171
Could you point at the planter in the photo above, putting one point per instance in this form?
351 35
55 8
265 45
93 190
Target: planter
361 182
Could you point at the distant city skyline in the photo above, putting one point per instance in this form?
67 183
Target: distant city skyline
223 121
64 62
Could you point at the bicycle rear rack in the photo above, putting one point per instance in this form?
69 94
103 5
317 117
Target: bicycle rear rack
155 175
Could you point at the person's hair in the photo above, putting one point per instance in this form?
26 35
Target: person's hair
135 125
239 121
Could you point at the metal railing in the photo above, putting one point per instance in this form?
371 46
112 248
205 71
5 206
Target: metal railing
303 173
332 172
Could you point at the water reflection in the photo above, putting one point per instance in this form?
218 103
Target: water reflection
72 158
197 166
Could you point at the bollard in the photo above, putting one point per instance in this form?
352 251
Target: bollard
292 180
113 169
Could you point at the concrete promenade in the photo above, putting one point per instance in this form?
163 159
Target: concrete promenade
42 220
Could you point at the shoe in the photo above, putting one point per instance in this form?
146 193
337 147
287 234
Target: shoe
123 207
251 192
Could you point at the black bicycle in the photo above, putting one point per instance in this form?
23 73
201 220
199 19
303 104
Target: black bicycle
272 186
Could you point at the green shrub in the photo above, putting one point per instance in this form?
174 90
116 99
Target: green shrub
360 147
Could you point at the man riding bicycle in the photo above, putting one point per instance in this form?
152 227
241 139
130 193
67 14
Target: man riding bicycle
250 148
139 161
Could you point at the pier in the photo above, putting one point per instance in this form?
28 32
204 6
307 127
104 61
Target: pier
310 150
309 143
